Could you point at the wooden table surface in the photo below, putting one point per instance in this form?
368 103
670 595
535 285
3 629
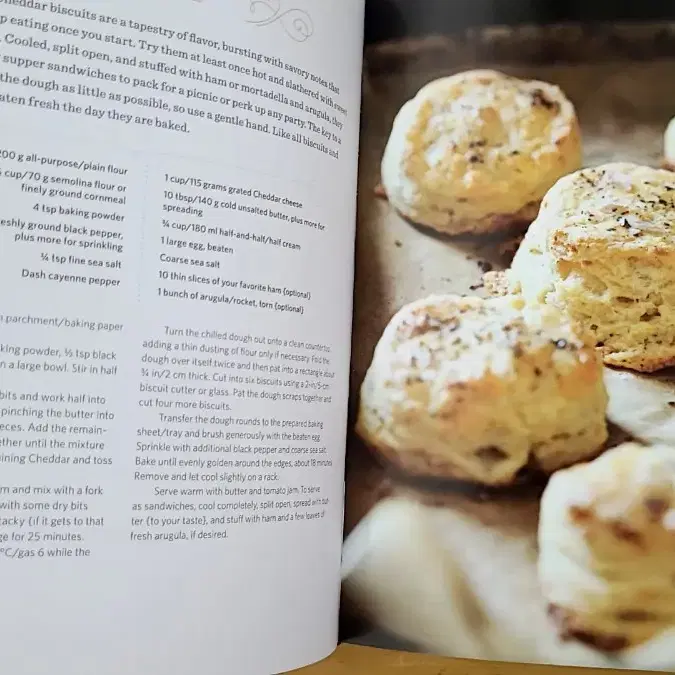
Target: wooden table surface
353 660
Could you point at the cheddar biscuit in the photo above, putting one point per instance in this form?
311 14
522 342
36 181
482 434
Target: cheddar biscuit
479 390
602 249
606 542
477 151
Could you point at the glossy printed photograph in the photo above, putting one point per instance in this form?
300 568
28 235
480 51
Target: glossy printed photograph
511 463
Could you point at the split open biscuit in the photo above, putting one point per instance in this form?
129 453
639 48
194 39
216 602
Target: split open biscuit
602 249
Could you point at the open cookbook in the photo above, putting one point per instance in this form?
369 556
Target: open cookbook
315 329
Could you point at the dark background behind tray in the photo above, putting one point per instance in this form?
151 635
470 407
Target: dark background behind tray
395 19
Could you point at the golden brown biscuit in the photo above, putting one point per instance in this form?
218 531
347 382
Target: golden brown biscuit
479 390
603 250
607 547
477 151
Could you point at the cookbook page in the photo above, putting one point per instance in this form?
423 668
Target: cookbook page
176 246
511 477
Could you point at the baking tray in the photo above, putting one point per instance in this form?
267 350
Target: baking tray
394 19
619 78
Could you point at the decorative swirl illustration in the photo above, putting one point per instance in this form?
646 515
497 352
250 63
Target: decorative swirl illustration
296 22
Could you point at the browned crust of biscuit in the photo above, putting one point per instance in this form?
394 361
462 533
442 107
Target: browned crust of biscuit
668 166
642 363
571 627
496 283
422 465
564 250
419 463
494 223
419 474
